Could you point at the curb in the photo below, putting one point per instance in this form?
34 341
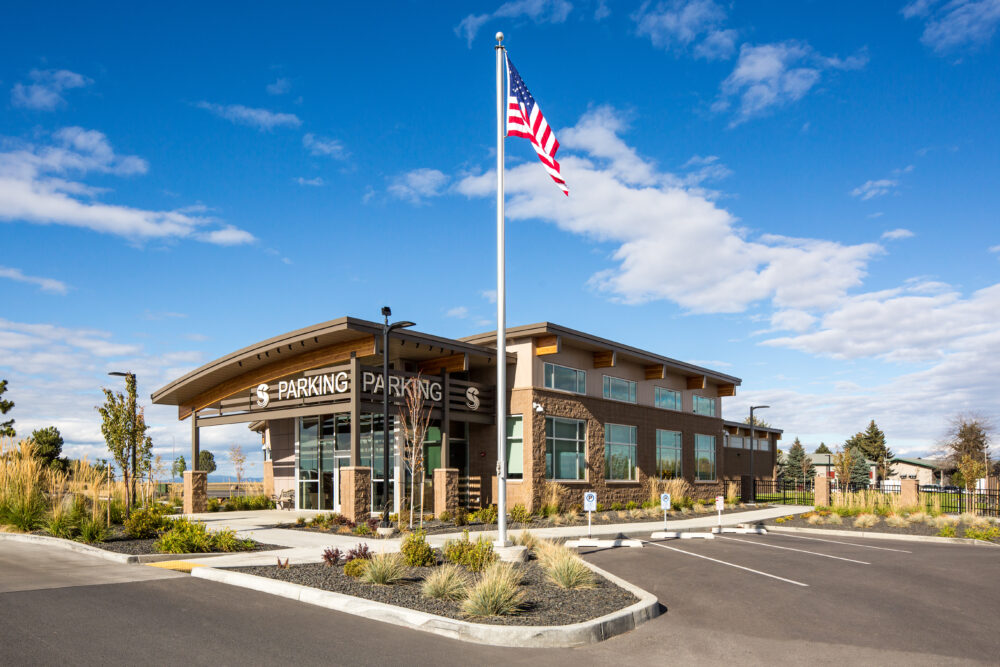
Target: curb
128 559
930 539
550 636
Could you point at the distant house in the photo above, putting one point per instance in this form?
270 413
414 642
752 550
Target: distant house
824 466
925 471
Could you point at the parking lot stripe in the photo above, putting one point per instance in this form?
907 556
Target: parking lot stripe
722 562
803 551
863 546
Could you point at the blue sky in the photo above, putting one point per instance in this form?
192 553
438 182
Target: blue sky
801 194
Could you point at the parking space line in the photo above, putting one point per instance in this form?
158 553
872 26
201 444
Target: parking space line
802 551
722 562
820 539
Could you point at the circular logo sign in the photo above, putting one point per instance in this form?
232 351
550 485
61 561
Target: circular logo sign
472 398
263 398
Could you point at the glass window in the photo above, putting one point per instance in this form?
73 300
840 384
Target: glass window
704 457
564 378
432 450
735 441
763 445
618 389
668 454
619 452
704 406
515 447
667 398
565 448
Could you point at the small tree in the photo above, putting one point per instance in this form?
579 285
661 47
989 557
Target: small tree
124 429
860 470
843 463
48 446
415 419
972 470
179 466
872 444
968 435
798 465
238 459
7 427
823 449
206 461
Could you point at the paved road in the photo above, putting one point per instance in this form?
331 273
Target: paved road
925 607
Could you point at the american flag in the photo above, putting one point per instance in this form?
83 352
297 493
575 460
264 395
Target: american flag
525 119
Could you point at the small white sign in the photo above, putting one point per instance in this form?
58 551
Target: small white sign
720 503
664 501
589 501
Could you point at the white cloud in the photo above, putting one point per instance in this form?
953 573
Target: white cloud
602 11
458 312
279 87
314 182
955 25
46 284
489 294
679 24
671 242
995 248
894 234
45 91
419 184
33 189
538 11
262 119
775 75
792 320
871 189
325 147
228 235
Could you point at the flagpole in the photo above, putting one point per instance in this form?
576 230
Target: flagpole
501 393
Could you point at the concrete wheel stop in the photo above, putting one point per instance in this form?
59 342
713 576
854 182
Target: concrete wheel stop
673 534
592 542
742 529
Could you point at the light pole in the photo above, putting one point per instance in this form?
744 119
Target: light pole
753 446
130 390
386 330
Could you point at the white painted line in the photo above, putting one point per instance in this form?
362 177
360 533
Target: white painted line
863 546
802 551
722 562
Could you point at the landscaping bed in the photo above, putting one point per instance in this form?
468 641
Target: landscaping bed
914 523
545 603
121 543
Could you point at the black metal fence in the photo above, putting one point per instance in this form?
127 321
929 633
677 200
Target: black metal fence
778 491
952 500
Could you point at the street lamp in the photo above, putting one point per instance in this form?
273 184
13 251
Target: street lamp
386 330
130 389
753 446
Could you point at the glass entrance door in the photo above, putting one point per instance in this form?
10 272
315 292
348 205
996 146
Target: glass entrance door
309 464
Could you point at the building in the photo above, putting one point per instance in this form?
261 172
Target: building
925 471
586 412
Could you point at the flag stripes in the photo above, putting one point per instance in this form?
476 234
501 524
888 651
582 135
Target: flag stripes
525 119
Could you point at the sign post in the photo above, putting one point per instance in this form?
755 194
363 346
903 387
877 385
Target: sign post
665 506
720 504
589 506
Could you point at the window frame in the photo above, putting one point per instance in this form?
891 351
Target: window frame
696 399
509 439
633 389
581 453
656 398
679 448
580 373
633 462
698 448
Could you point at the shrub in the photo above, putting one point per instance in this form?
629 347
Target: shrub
814 519
226 540
526 539
187 537
970 519
496 593
444 516
548 510
616 507
475 556
567 570
944 520
360 552
384 569
987 532
116 510
355 568
416 551
834 520
300 521
487 515
93 530
865 520
918 517
780 520
896 521
599 507
245 503
946 530
144 523
461 517
331 556
631 505
519 514
64 525
362 529
447 582
213 505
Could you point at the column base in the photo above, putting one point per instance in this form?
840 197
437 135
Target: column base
195 491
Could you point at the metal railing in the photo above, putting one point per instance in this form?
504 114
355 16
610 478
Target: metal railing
777 491
952 500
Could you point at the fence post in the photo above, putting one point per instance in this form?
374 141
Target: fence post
822 491
908 496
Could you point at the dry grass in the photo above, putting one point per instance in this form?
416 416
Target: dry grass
686 510
636 514
385 569
701 509
815 520
448 582
567 570
968 518
866 520
834 520
919 517
526 539
555 495
496 593
677 488
945 520
868 501
896 521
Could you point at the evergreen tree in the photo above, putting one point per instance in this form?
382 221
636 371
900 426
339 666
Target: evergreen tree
48 446
757 421
860 469
823 449
781 463
206 461
7 427
871 443
180 465
799 466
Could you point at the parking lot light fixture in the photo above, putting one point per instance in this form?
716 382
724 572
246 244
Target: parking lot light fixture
753 446
386 330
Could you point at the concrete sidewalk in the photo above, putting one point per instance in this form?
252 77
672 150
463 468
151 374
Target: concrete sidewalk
307 547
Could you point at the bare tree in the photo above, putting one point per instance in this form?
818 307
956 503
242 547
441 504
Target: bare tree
968 435
238 459
415 418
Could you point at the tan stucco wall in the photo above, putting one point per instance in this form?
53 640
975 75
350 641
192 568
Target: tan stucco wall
280 435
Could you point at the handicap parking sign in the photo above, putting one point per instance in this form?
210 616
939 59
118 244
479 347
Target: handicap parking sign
664 501
589 501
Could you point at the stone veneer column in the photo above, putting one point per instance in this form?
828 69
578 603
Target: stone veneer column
445 490
909 495
268 478
356 493
822 491
195 491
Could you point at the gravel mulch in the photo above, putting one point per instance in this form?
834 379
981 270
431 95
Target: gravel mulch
547 604
923 529
120 543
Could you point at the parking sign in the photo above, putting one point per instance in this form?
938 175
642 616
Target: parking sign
720 503
664 501
589 501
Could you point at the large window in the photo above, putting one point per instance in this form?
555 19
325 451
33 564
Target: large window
564 378
667 398
668 454
515 447
704 457
704 406
618 389
565 448
734 442
619 452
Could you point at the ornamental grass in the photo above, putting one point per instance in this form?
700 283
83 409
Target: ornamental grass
567 570
496 593
866 520
385 569
448 582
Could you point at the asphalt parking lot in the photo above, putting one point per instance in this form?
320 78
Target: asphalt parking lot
765 597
